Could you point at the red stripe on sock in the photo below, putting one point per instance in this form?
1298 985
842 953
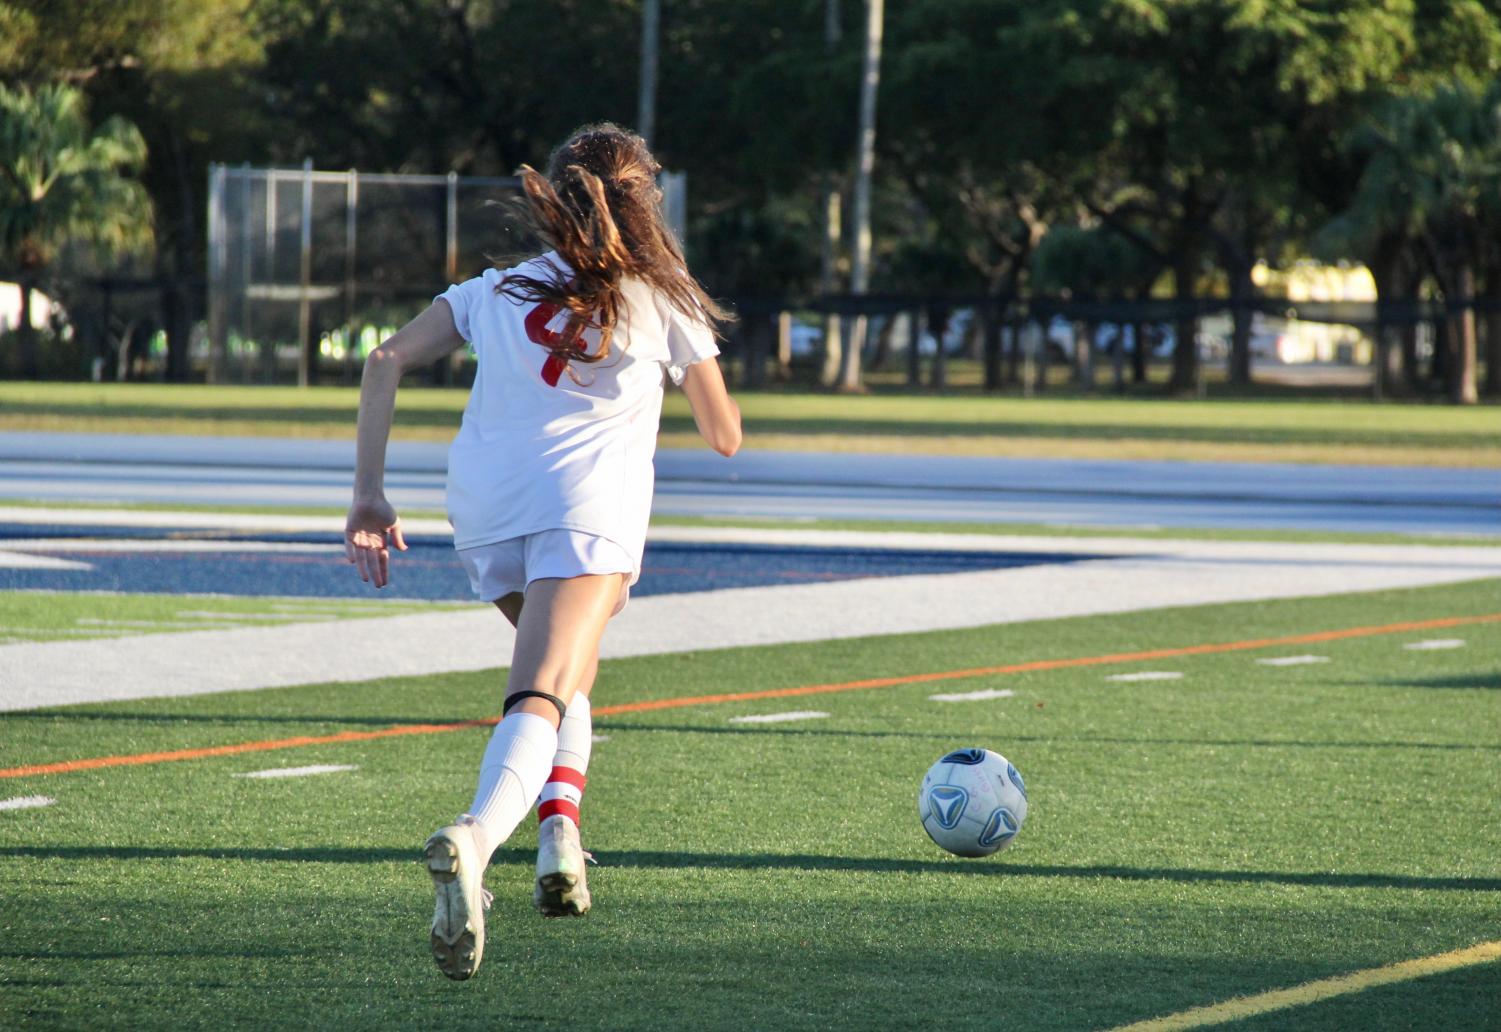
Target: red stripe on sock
556 806
568 776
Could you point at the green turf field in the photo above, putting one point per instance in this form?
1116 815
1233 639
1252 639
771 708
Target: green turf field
1240 829
963 424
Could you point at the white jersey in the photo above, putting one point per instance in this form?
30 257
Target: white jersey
540 451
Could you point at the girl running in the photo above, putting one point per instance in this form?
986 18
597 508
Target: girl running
549 486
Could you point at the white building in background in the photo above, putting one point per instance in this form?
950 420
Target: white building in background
43 308
1293 340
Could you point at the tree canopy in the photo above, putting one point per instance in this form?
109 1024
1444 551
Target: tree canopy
1205 135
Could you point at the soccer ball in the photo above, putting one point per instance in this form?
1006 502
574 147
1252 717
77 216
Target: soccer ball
972 802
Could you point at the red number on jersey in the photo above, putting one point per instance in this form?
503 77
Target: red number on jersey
537 331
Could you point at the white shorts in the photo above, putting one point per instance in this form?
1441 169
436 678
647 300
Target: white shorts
509 566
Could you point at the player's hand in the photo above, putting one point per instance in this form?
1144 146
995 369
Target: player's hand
370 531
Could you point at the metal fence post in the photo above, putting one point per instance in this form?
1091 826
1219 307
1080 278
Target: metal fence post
218 273
351 222
305 344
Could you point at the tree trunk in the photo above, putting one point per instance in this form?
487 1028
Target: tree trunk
1185 375
991 314
1462 344
1438 365
1386 363
833 347
26 333
938 322
1242 290
1044 345
914 356
883 343
865 161
1138 352
1493 331
1084 355
1014 355
828 373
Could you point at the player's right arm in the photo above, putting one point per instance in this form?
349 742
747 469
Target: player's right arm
372 525
714 411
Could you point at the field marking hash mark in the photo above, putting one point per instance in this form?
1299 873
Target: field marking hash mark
779 718
979 696
97 762
1321 989
298 772
26 802
1292 660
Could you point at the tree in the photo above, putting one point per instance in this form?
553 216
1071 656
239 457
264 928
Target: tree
1431 178
63 183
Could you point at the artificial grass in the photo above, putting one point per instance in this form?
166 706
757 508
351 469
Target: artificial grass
1127 428
77 616
1244 828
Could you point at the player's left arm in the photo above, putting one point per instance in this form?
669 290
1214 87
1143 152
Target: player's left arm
714 411
372 525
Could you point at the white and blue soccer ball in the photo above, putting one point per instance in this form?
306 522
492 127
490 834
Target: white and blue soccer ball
973 802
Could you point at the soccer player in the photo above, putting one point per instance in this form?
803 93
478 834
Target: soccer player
549 485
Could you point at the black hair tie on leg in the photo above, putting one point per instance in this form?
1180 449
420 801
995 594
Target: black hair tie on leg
516 697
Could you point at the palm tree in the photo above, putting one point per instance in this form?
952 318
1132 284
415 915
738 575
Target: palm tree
61 183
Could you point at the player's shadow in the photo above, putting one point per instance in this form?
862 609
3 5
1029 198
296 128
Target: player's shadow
1490 680
1272 743
679 861
1003 869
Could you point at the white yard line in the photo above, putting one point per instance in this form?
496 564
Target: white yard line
169 624
1148 675
1435 644
1126 576
298 772
779 718
980 696
29 802
1292 660
204 614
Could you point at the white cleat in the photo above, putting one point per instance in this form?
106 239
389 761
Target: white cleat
562 886
458 936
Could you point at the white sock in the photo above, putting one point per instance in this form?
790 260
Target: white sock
565 785
510 777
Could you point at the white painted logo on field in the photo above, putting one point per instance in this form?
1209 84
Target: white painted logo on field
599 738
298 772
22 561
26 802
1292 660
779 718
1436 643
1148 675
980 696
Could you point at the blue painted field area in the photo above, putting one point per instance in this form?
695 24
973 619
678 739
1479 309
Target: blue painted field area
313 565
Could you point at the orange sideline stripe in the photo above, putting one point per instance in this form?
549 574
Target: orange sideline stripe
97 762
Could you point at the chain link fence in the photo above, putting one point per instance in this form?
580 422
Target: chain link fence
309 270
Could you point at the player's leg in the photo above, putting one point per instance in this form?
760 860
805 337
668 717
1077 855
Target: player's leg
557 647
557 642
562 887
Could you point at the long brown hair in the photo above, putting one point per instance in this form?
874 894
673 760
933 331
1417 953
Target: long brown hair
599 207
